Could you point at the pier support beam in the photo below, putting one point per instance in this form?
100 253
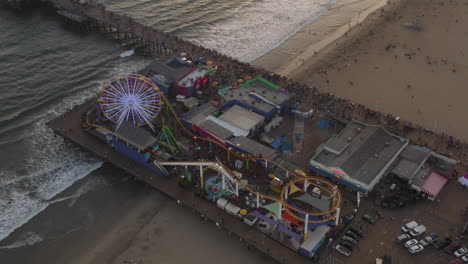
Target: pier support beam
223 182
306 226
337 221
258 200
280 211
202 182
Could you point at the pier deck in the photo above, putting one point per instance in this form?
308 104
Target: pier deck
69 127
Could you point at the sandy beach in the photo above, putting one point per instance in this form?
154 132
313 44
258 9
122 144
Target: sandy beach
323 30
417 75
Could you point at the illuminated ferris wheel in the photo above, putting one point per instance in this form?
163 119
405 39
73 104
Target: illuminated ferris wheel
133 98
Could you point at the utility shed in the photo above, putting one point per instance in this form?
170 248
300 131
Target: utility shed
252 147
135 136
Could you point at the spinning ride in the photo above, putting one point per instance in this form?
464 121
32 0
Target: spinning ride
133 98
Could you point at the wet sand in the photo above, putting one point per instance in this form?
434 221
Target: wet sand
316 35
417 75
122 221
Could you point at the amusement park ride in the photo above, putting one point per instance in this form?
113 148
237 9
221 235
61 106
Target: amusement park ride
138 100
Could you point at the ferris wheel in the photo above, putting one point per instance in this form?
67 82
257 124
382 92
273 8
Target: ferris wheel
133 98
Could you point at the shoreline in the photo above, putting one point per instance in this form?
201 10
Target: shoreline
317 35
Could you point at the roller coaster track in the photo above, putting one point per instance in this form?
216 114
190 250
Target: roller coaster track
300 176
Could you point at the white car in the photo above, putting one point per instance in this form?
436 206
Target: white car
415 249
465 258
409 226
402 238
410 243
343 250
418 230
460 252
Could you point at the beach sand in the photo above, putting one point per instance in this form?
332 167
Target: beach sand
417 75
316 35
122 221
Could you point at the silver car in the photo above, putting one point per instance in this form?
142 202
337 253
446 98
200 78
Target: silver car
350 239
343 250
411 243
415 249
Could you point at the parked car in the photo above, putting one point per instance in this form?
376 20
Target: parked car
356 231
343 250
429 239
369 219
465 258
442 243
460 252
347 245
349 239
456 261
453 247
411 243
418 230
409 226
415 249
403 238
353 235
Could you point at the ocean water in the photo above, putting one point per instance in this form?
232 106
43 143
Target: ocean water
47 68
243 29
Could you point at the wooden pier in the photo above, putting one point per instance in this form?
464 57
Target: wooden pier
69 126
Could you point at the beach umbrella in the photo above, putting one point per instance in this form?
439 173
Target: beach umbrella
209 62
248 77
240 81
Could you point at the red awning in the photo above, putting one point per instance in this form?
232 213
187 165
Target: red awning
434 184
290 218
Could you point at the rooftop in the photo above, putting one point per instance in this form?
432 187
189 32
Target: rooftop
361 151
217 130
253 147
135 136
409 161
199 114
171 74
259 93
242 118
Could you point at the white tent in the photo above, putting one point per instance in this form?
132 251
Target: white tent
464 180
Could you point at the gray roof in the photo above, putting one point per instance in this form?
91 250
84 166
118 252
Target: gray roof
253 147
409 160
263 89
421 176
258 87
242 118
361 151
199 114
171 74
216 129
321 204
405 169
135 136
415 155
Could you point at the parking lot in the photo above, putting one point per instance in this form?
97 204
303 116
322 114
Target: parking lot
442 218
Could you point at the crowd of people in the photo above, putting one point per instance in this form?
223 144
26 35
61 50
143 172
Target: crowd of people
306 97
